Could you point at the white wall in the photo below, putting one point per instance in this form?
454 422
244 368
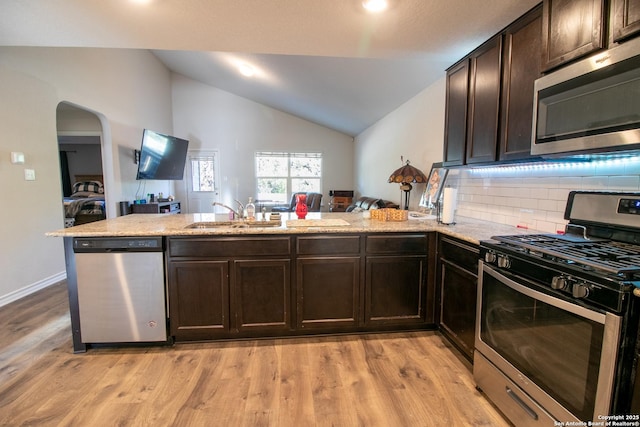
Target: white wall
213 119
415 131
129 89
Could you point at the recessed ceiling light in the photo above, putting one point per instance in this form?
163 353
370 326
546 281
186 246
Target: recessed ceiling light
246 70
375 6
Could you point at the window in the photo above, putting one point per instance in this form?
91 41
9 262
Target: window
278 175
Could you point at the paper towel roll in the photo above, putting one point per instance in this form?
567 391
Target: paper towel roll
449 199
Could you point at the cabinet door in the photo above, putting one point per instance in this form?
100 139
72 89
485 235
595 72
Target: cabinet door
484 102
395 289
625 19
327 291
261 295
458 306
199 299
570 29
455 132
521 67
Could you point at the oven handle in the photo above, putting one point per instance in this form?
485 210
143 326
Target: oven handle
594 315
520 403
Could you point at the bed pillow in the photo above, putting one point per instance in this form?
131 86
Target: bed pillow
88 187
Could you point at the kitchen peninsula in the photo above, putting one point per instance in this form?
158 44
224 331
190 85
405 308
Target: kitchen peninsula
330 273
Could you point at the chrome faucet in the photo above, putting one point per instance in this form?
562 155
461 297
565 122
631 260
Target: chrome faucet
239 216
240 208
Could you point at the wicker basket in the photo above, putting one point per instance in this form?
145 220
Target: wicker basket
387 214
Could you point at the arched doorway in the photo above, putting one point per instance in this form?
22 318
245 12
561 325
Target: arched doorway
80 145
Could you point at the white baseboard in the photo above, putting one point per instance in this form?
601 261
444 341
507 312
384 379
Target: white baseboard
28 290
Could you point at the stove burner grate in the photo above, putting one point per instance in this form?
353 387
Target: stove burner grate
608 256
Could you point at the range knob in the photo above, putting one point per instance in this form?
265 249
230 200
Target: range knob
559 282
504 261
490 257
580 290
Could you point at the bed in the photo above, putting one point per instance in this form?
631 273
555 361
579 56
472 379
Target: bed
86 202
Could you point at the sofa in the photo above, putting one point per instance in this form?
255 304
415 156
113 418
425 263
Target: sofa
314 203
366 203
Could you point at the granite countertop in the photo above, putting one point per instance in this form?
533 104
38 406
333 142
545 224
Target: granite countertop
467 229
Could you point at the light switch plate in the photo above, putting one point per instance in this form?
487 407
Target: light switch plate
17 158
29 175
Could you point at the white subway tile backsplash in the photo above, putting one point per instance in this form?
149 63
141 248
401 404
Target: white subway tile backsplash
570 182
624 183
547 205
632 168
609 168
535 198
539 193
528 203
559 194
595 182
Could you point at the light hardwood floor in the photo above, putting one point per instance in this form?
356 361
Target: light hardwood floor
398 379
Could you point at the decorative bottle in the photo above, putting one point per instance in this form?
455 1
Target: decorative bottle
301 206
251 210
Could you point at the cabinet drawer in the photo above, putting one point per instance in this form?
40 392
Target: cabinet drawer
460 254
229 247
397 244
328 245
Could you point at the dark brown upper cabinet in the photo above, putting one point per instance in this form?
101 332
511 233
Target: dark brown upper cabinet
521 67
571 29
484 102
489 108
625 20
455 127
472 106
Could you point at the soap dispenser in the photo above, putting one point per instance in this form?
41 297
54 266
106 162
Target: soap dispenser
251 210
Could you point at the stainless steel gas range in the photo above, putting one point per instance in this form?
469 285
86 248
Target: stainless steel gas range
557 319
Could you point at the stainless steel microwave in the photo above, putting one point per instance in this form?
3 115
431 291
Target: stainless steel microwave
591 106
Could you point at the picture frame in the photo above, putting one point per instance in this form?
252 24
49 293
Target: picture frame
435 184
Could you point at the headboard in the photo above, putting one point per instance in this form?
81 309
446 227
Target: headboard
86 178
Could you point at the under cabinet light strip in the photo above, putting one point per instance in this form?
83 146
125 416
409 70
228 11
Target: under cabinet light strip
540 166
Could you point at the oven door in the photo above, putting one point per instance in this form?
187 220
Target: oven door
560 354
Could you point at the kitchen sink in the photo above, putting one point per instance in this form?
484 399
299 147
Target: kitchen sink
233 224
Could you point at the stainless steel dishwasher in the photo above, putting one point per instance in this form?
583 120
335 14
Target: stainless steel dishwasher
121 292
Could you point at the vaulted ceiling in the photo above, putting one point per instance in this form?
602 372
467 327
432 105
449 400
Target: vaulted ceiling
327 61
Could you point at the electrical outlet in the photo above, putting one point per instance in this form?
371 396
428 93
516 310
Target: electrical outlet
29 175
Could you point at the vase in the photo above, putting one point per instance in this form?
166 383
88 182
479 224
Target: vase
301 206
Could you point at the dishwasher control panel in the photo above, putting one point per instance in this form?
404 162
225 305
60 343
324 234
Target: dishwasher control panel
117 244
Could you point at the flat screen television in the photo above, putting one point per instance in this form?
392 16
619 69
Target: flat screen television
162 156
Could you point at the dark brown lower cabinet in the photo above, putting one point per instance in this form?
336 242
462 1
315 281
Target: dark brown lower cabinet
328 281
395 289
199 299
396 279
222 287
261 294
253 286
328 292
457 287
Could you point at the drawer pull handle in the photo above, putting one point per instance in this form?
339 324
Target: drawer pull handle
523 405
